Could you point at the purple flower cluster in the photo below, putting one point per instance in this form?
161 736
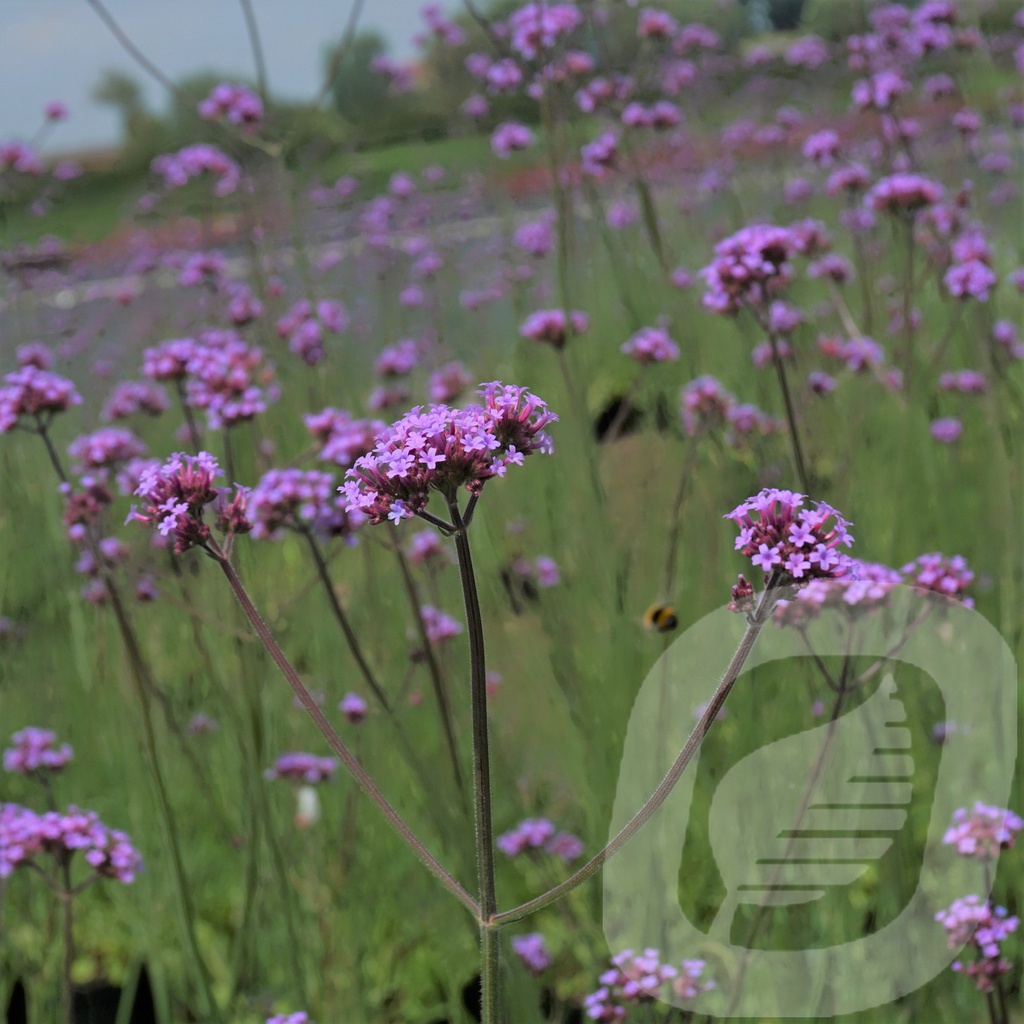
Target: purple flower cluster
982 831
304 324
864 589
227 379
539 834
749 269
636 978
551 326
25 836
542 571
133 396
510 137
36 752
343 438
36 394
397 360
442 448
532 951
537 27
903 194
178 168
301 767
234 103
353 707
106 448
448 382
651 345
174 495
300 1017
439 625
822 147
17 156
705 406
947 576
799 543
601 155
295 499
973 922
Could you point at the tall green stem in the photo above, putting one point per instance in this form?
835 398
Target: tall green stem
489 958
787 398
436 681
66 896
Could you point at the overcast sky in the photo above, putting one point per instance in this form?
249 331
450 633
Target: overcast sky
57 50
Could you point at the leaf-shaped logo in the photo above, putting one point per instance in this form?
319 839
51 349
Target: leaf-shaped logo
767 850
814 810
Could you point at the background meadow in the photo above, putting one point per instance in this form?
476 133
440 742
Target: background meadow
262 894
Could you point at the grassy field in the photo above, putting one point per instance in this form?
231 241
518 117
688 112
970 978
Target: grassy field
245 908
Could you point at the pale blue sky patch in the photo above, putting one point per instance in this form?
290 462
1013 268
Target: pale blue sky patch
57 50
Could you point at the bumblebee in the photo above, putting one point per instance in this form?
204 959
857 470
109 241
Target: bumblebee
661 617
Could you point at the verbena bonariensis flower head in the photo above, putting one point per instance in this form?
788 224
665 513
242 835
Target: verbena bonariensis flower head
229 379
134 396
651 345
903 194
297 499
235 103
539 834
353 707
704 404
174 496
974 922
800 544
636 978
532 951
301 1017
982 831
25 836
948 577
35 752
439 448
343 438
551 326
106 448
177 168
537 27
301 767
510 137
31 393
750 268
864 589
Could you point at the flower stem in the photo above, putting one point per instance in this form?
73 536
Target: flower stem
672 554
489 953
440 693
756 622
66 896
794 435
346 626
352 765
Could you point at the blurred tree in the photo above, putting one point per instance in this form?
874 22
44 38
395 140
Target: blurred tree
361 94
143 133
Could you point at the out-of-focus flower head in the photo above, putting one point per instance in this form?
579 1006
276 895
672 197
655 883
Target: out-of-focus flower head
35 751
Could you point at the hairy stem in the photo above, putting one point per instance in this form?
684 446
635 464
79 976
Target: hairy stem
352 765
755 624
489 961
440 692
